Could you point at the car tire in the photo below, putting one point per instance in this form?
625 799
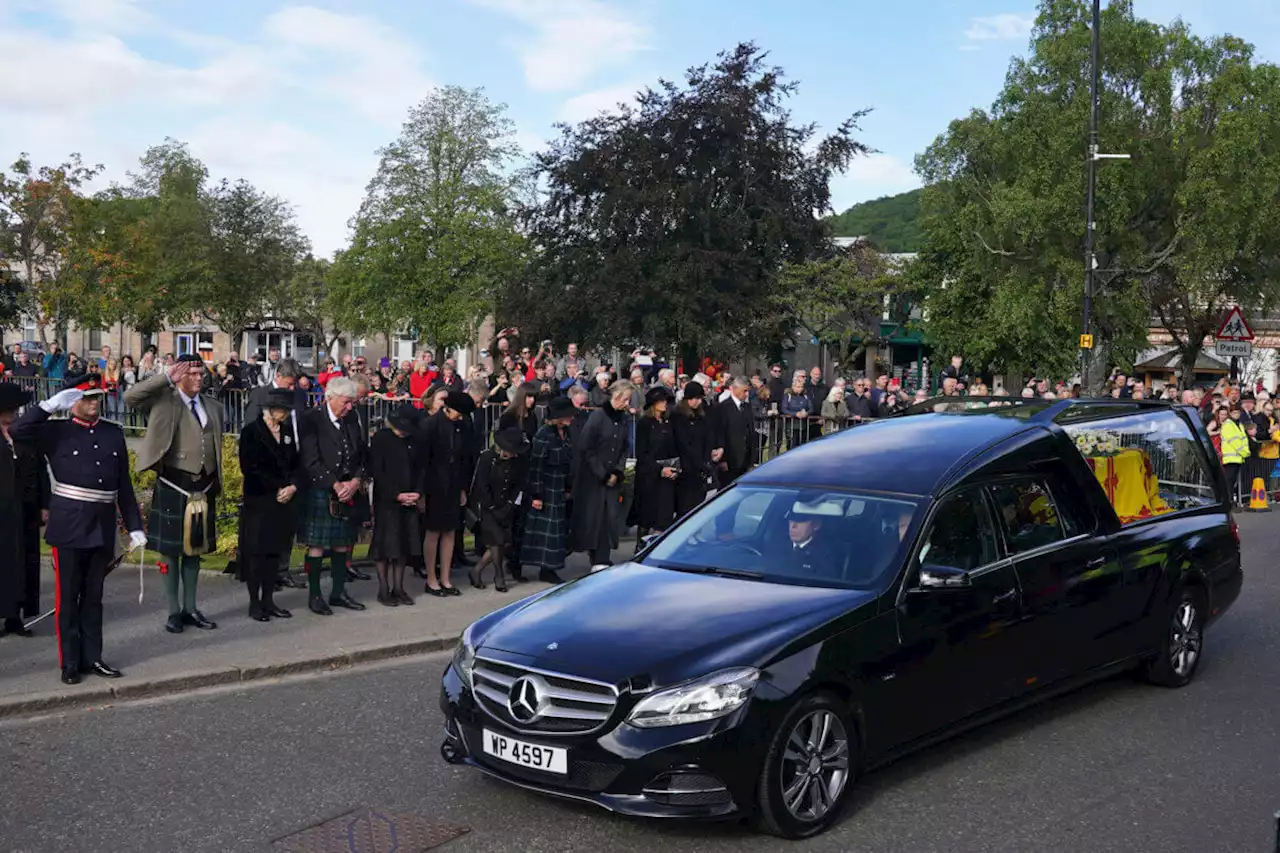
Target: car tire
803 784
1182 642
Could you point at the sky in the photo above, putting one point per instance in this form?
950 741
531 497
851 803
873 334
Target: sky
297 96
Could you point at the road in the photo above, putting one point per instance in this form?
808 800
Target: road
1118 766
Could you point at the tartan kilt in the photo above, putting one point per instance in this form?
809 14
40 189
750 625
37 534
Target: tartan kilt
166 518
546 534
319 529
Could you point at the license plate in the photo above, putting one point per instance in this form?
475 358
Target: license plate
549 759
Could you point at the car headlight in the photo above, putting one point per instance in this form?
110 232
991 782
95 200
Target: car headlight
464 657
697 701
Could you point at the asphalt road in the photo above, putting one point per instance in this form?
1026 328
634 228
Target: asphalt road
1118 766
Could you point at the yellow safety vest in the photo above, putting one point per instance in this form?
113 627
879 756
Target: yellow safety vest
1235 443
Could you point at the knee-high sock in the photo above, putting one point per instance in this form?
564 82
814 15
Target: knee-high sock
172 578
338 565
190 578
314 565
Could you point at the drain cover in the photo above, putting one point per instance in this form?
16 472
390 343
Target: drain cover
371 831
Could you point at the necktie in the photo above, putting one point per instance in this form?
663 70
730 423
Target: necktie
195 411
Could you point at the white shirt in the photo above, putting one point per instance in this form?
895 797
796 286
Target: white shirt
200 412
333 419
800 546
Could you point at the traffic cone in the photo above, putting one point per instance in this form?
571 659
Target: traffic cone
1258 497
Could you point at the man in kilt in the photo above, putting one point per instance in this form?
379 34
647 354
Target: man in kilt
334 458
183 445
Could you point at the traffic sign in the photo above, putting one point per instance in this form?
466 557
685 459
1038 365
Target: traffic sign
1086 342
1234 328
1234 349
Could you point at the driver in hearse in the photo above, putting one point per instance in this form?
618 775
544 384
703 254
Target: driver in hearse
809 550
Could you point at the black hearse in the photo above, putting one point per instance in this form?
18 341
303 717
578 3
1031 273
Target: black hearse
854 599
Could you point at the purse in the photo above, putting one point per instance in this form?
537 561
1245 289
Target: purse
673 462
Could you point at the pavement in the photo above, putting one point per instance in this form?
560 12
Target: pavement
240 649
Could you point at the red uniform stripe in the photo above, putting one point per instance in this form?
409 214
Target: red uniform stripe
57 604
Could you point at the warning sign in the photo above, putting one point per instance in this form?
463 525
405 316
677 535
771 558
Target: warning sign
1234 328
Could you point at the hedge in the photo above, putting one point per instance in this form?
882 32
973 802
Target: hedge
144 483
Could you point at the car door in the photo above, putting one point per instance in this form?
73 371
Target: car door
956 643
1070 579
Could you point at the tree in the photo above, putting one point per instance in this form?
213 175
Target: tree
891 223
838 300
435 237
1003 223
671 220
302 299
44 221
256 247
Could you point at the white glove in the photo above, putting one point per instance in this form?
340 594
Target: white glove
137 539
62 401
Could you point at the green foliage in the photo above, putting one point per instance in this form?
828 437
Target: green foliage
434 238
1002 254
891 223
672 220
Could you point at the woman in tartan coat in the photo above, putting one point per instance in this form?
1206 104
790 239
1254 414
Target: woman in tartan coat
546 527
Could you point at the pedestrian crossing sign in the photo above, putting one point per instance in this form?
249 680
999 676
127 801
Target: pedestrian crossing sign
1086 342
1234 328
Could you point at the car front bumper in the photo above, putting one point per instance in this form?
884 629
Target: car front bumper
704 771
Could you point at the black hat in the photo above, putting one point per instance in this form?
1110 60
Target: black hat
280 398
13 396
190 356
560 408
1247 395
460 402
511 440
404 417
89 383
694 391
658 392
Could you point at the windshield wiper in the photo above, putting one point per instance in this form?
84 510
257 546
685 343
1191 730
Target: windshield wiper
712 570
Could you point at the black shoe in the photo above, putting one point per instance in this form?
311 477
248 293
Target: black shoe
474 577
259 616
278 612
318 607
174 625
100 669
451 590
438 592
15 627
197 620
548 576
403 597
388 599
355 574
70 675
345 601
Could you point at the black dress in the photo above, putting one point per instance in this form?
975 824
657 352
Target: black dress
603 452
266 525
395 465
496 487
693 442
445 467
655 495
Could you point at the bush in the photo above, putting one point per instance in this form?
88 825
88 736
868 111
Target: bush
144 483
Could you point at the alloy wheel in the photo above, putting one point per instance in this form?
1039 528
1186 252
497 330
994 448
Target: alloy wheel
1184 647
815 765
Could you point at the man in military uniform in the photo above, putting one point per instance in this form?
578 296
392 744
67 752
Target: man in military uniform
183 445
89 479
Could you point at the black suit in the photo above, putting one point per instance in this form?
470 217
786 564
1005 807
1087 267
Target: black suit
734 430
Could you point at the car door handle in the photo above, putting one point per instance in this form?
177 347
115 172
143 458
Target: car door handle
1004 596
1096 563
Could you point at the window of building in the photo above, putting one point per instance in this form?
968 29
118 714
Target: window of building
204 344
357 346
403 349
30 330
1148 464
95 340
184 343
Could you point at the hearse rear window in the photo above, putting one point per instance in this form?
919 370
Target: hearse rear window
1149 464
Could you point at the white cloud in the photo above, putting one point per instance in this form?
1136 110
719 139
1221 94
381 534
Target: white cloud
871 177
590 104
572 39
1005 27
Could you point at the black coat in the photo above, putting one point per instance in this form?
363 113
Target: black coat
600 452
497 483
266 525
693 442
530 426
735 430
395 464
11 556
446 470
655 498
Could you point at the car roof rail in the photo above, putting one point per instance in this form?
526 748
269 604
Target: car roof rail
1049 410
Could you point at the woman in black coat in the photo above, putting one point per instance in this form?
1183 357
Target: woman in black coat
395 464
693 443
272 475
496 486
520 413
445 466
597 481
657 466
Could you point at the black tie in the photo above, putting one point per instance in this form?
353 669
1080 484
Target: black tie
195 411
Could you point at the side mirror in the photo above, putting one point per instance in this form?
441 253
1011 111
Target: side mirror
943 577
646 541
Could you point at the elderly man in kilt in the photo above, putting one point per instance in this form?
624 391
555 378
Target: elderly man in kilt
183 445
334 458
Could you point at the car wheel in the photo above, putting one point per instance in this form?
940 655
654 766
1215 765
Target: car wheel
808 770
1176 663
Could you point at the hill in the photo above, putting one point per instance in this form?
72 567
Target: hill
892 222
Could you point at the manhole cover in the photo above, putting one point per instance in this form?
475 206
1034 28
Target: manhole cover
371 831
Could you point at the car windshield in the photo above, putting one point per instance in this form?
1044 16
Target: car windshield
791 535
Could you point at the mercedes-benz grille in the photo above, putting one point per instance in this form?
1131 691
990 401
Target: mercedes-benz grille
539 701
